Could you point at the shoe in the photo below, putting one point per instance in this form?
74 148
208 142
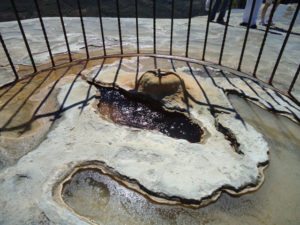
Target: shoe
221 22
262 23
272 24
244 24
266 24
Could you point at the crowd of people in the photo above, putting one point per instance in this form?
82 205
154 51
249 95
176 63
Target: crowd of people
215 5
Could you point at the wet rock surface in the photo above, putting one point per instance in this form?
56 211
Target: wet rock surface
87 184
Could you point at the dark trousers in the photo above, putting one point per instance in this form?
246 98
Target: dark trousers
222 10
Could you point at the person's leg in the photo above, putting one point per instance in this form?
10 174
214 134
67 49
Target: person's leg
223 11
276 6
255 12
263 12
247 13
214 10
247 10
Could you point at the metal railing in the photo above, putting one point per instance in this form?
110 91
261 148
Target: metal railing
172 37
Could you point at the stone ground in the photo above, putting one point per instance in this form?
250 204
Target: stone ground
235 36
49 121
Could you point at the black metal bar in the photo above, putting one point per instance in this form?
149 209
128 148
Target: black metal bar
284 43
44 32
137 72
172 27
117 72
265 38
83 30
246 35
23 35
154 26
207 29
173 66
189 30
101 26
225 32
8 57
294 80
64 29
137 27
119 25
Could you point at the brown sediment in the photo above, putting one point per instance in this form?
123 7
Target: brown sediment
62 60
28 106
28 93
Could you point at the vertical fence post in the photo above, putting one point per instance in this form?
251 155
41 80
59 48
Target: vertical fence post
64 30
83 30
284 43
172 25
189 29
246 35
44 32
137 27
154 26
101 26
8 58
294 80
23 35
225 32
265 37
207 29
119 26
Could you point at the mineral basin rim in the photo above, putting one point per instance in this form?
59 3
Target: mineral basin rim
133 184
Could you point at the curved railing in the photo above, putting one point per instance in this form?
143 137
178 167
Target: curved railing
155 51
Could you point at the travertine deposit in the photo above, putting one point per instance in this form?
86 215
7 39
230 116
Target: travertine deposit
231 156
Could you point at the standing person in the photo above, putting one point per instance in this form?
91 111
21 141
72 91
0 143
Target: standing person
264 10
220 18
247 12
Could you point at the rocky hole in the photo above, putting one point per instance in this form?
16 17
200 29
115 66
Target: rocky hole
126 109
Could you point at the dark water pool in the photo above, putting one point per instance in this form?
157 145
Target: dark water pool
127 110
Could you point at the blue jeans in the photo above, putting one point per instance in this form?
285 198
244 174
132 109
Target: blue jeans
222 10
247 11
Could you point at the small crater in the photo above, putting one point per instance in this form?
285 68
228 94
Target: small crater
128 110
85 186
98 197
